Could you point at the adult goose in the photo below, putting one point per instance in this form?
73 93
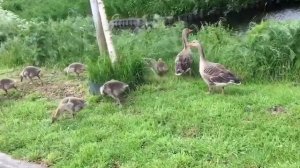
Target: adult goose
214 74
184 60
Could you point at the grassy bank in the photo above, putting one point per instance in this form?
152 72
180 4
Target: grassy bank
172 123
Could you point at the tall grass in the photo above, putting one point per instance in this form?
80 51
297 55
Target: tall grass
48 42
129 69
50 9
267 51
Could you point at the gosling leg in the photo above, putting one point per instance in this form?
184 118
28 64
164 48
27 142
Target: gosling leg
40 79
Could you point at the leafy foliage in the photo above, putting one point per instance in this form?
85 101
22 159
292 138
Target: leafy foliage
50 9
269 50
49 42
57 10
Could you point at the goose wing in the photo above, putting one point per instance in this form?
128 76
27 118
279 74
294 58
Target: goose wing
217 73
184 60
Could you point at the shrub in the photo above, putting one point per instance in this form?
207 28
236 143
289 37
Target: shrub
10 25
99 69
129 69
50 9
267 51
275 47
54 42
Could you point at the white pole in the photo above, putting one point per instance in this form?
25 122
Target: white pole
98 26
107 33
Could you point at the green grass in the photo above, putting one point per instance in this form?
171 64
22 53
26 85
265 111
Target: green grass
168 123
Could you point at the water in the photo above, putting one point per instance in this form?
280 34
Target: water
241 21
283 15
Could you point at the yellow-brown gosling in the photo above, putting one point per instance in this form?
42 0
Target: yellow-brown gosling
68 104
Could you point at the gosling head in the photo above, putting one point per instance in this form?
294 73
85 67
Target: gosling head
66 69
194 43
102 90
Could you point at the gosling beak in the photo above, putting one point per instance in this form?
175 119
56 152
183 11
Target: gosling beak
190 30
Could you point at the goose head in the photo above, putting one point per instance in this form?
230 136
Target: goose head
187 31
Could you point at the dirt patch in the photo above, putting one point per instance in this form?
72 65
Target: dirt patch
54 90
55 86
277 109
191 132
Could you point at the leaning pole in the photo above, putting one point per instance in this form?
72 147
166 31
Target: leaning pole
103 33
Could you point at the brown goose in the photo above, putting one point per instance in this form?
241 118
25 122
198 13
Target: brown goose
6 84
183 61
75 67
31 72
214 74
114 89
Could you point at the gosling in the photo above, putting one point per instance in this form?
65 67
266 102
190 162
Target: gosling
68 104
114 89
31 72
159 67
75 67
6 84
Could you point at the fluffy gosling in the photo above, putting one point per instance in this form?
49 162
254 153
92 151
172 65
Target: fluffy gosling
6 84
68 104
31 72
114 89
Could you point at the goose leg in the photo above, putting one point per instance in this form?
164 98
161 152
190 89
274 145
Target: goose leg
116 98
40 79
5 92
223 90
119 101
209 90
70 109
31 80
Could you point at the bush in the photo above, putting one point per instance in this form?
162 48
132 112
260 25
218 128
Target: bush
10 25
129 69
53 42
50 9
61 9
267 51
132 8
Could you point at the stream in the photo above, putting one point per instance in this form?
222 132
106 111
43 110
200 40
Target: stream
240 22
